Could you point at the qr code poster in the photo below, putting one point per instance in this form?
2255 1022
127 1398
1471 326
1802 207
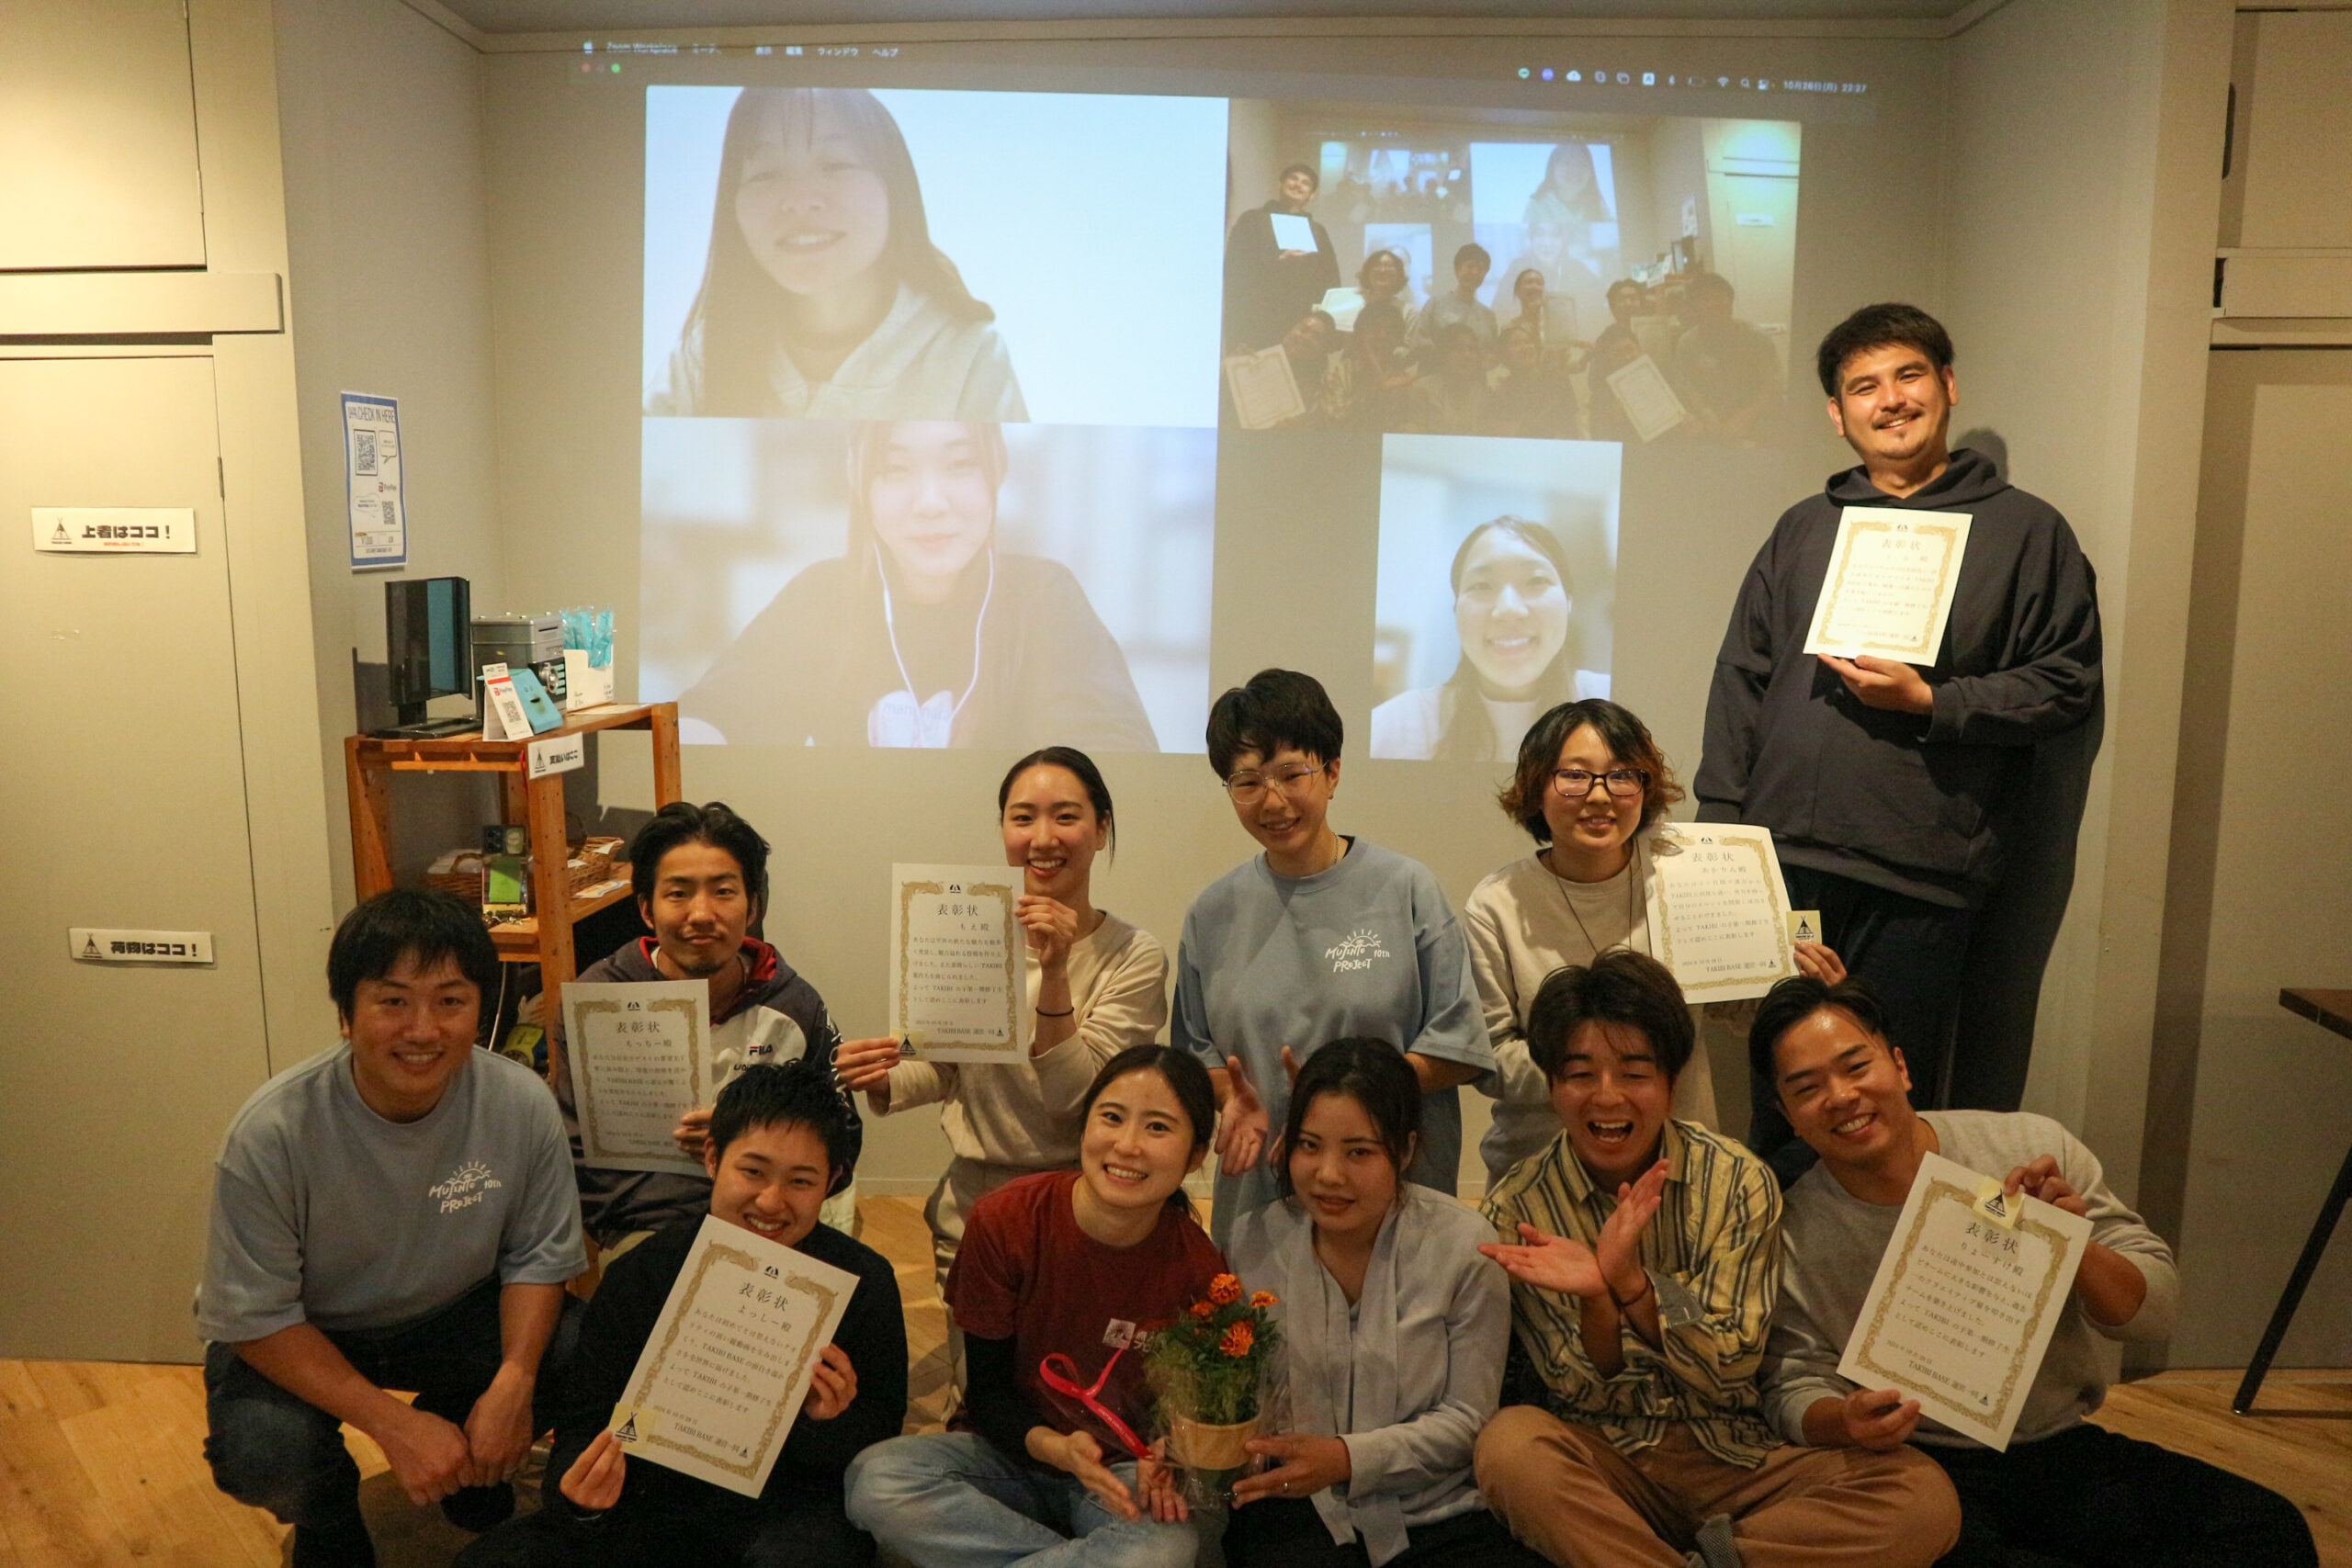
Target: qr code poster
371 432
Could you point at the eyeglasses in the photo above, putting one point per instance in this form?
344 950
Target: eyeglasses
1249 789
1623 782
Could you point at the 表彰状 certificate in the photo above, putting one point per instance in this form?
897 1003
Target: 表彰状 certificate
641 1056
955 970
722 1377
1966 1298
1718 910
1888 591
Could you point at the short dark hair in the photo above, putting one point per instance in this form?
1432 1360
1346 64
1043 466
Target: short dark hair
1080 766
1611 292
1628 739
1475 252
1793 1001
1185 1078
1373 1073
1309 170
1275 708
797 1093
1379 312
417 924
1622 987
1882 326
1708 283
684 822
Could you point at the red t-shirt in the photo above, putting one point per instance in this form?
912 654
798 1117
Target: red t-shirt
1027 1273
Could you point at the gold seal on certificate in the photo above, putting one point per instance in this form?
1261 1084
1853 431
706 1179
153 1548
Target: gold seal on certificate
1888 590
641 1056
1966 1298
956 976
721 1378
1718 910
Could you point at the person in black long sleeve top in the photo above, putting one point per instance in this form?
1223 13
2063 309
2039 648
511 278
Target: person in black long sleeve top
1895 792
779 1143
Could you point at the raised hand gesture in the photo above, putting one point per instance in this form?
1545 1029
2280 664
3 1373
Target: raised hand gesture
1550 1262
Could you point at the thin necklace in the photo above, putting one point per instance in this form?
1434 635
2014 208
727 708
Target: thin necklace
1563 882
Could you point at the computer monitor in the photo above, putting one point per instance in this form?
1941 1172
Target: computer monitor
428 627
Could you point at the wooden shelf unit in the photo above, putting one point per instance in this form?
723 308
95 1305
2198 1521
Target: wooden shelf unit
370 761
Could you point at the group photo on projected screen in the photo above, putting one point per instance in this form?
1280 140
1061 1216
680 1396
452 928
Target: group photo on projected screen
1621 278
928 584
1498 578
845 254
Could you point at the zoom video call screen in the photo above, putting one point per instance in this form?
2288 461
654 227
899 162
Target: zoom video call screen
961 407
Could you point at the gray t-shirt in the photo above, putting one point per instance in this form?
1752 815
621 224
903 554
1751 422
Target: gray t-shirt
325 1212
1368 948
1831 1243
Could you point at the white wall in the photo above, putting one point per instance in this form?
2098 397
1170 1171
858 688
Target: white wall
387 225
2082 163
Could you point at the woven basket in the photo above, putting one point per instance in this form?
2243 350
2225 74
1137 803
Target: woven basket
465 880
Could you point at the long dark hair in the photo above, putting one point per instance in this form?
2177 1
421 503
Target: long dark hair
1469 734
1587 206
738 314
1374 1074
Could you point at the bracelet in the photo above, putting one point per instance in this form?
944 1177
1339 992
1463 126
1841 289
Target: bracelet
1623 1305
1064 1013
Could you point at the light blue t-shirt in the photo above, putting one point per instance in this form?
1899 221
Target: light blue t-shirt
1368 948
325 1212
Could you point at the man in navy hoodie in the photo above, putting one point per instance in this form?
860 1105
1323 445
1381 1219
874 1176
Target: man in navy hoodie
1892 791
700 874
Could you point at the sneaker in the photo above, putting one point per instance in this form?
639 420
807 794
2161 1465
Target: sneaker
345 1544
479 1508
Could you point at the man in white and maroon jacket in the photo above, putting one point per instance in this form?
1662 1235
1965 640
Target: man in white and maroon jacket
1895 792
700 875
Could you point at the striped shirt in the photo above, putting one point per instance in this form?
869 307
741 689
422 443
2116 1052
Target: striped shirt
1713 1255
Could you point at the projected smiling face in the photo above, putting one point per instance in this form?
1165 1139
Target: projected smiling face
1512 610
1383 277
934 505
812 208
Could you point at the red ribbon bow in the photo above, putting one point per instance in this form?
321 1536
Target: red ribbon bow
1063 1379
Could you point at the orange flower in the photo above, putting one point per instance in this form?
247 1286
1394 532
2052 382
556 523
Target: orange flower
1263 1300
1237 1340
1204 1309
1225 1289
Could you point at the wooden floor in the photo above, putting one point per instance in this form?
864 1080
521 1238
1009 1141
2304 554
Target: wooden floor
101 1464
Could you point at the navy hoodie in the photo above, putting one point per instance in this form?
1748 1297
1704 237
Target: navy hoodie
1918 803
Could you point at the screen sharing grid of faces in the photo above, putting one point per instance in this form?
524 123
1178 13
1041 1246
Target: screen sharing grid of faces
933 385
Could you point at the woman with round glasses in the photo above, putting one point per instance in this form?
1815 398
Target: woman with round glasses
1590 789
1320 937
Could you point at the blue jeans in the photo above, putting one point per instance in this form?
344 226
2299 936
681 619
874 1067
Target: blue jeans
954 1500
271 1448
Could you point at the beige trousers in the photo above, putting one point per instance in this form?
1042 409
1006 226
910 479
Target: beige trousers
1566 1492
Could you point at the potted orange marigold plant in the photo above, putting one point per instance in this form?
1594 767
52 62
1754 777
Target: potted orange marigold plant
1210 1368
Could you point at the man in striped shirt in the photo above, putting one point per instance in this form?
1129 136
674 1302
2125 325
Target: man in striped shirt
1644 1263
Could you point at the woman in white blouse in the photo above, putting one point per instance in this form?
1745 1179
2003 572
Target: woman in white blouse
1395 1331
1096 986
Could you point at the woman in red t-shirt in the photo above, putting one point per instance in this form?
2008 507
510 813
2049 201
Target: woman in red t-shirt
1082 1264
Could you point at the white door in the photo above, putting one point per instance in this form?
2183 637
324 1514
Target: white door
124 799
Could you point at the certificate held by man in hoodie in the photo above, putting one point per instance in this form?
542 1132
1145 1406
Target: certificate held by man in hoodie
642 1057
955 972
1888 591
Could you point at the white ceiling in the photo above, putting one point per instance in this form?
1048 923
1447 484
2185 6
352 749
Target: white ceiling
495 17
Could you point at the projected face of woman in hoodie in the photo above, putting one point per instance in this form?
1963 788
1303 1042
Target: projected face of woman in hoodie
934 505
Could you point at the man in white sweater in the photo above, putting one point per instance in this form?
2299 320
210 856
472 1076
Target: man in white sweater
2064 1492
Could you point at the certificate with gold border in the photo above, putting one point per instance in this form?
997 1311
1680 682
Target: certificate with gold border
1888 590
1967 1295
721 1378
1718 909
640 1057
955 962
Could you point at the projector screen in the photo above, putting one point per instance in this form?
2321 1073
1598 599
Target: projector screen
934 381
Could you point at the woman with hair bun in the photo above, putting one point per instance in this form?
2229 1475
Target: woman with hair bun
1096 986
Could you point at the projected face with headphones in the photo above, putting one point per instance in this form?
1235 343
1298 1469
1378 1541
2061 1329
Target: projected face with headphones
926 494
